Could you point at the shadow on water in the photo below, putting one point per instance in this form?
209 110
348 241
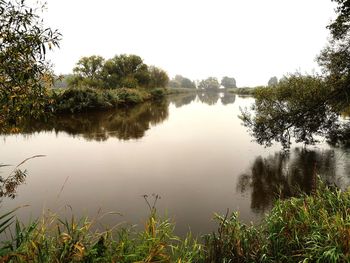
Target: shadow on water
228 98
180 100
285 175
207 97
123 123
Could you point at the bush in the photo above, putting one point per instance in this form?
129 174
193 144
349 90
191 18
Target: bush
85 99
158 93
76 100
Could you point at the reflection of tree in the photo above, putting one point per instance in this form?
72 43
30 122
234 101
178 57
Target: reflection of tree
123 123
285 175
182 99
228 98
209 97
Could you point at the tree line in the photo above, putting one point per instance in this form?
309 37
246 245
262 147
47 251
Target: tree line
121 71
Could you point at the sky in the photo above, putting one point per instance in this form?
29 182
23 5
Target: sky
250 40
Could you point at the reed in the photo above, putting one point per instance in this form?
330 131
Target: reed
308 228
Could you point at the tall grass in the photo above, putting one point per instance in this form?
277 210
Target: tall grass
52 239
314 228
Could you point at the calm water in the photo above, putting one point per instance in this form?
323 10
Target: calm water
191 150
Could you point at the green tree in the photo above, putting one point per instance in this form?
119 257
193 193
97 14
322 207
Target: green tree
158 78
228 83
272 81
295 108
210 83
125 71
24 72
303 107
88 72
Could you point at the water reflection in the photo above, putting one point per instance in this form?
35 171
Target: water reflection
192 161
285 175
209 97
212 97
182 99
228 98
124 123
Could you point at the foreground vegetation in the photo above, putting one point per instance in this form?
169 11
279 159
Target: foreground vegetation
312 228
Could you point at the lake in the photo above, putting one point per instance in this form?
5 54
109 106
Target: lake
189 149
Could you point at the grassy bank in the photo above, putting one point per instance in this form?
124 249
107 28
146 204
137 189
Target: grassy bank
313 228
85 99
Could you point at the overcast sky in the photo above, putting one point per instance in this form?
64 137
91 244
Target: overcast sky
251 40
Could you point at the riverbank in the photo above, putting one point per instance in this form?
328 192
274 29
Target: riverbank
86 99
312 228
174 91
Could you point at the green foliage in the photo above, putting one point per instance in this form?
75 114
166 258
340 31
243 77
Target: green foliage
340 27
311 228
55 240
85 99
24 73
123 71
87 72
76 100
228 83
157 93
158 78
210 83
127 71
303 106
295 108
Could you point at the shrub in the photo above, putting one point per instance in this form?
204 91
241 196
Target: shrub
158 93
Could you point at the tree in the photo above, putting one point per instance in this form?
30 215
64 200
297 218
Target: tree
210 83
182 82
228 83
306 106
125 71
272 81
24 72
87 72
158 78
295 108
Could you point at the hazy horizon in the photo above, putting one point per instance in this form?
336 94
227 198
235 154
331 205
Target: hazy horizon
250 41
